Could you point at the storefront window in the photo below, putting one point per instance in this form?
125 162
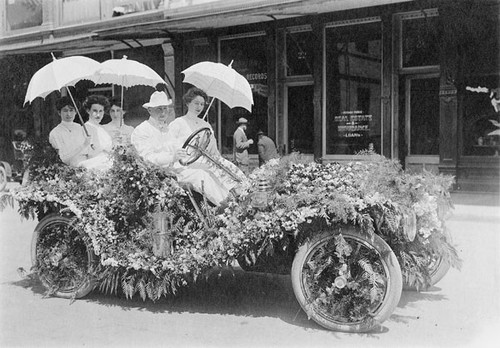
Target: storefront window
249 59
23 14
299 48
480 61
353 74
420 44
481 121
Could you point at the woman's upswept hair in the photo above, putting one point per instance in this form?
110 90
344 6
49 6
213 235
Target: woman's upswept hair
64 101
116 100
96 99
192 93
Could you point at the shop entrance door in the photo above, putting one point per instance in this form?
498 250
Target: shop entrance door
299 118
420 148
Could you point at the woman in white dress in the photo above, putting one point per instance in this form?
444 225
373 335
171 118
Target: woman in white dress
120 132
182 127
68 137
102 144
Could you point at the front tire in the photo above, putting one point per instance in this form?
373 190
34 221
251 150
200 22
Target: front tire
63 257
346 281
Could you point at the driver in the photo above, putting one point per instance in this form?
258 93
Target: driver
153 143
182 127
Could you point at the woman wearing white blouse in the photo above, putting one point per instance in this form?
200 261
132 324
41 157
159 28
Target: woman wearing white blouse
182 127
68 137
120 132
102 144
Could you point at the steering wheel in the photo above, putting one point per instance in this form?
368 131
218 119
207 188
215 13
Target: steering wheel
195 145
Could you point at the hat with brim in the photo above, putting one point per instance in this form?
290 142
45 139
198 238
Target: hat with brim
242 120
158 99
260 133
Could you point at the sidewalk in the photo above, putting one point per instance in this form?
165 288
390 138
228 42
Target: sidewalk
476 198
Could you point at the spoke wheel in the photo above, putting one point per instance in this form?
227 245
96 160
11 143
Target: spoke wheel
195 144
62 257
437 267
346 281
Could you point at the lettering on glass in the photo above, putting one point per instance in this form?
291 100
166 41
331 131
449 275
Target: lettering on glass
353 124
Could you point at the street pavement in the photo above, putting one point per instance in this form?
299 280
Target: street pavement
463 310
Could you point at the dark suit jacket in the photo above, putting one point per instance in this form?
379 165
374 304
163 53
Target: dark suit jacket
267 149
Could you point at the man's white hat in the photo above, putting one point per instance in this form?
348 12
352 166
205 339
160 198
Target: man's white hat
158 99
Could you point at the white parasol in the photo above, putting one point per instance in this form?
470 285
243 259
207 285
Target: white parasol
127 73
222 82
61 73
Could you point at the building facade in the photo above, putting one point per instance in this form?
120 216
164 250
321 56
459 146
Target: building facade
413 80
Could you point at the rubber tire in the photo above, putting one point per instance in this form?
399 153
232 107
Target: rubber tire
3 178
87 285
388 260
437 272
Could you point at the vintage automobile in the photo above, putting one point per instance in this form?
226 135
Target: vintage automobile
349 234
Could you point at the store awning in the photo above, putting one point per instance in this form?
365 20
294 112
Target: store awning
232 13
135 30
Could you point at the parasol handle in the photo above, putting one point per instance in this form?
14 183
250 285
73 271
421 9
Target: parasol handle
206 112
77 111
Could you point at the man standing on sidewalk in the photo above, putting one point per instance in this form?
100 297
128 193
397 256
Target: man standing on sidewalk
266 147
240 145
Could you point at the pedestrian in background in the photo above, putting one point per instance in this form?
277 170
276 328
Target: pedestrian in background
266 147
240 146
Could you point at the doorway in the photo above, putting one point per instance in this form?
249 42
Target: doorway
419 122
299 118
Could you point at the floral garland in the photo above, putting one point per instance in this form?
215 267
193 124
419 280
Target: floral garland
112 210
377 196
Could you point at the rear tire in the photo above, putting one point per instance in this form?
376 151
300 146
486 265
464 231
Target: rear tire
324 285
63 257
437 268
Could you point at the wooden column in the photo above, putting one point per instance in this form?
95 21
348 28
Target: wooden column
178 67
271 81
279 91
318 89
447 128
386 97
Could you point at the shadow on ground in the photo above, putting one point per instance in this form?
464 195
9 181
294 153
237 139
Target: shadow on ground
230 292
408 298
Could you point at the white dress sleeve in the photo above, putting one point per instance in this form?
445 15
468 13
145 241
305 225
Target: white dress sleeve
69 146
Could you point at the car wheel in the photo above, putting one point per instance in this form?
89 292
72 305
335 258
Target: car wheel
62 257
345 280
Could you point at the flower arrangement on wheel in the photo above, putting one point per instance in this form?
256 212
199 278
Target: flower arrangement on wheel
350 233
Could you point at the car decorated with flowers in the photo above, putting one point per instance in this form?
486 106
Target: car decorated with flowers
351 235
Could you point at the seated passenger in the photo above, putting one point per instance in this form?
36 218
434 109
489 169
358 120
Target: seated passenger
101 146
68 137
152 142
120 132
